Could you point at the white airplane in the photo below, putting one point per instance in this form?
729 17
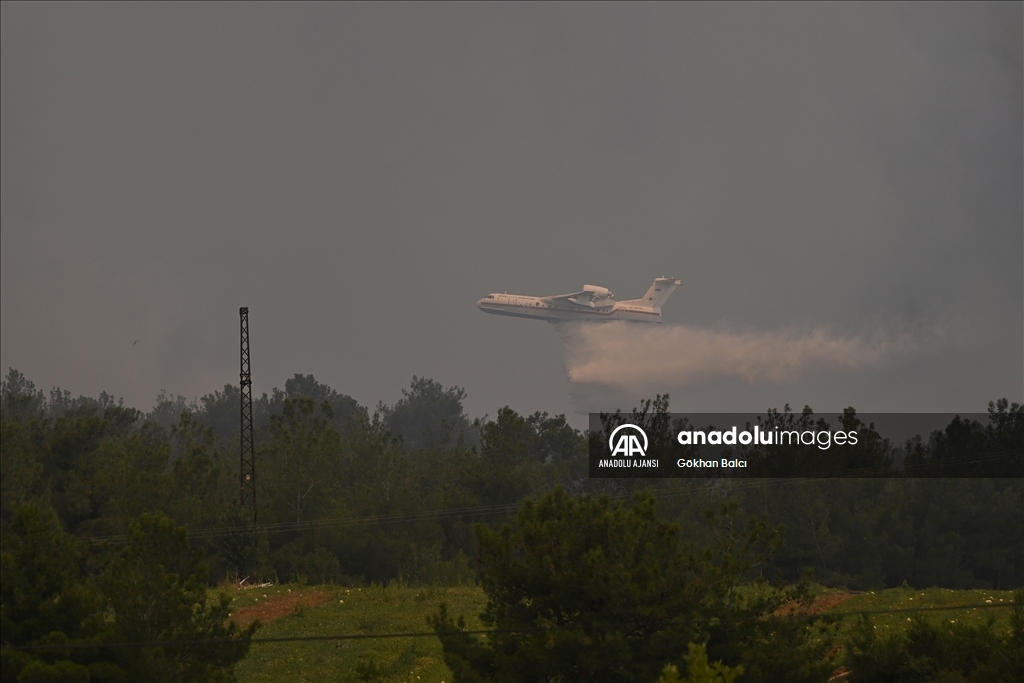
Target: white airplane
593 303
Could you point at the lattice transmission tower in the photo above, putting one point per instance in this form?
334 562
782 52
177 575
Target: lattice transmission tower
247 469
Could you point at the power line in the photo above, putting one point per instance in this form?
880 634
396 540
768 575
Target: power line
213 532
483 632
684 486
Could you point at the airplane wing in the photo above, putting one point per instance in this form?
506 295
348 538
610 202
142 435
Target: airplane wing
578 298
592 296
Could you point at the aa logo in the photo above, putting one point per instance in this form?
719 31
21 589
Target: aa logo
627 443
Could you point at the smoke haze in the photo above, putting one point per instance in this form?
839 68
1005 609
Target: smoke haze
358 174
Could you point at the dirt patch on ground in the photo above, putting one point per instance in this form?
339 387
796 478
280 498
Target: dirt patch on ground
280 606
820 604
827 602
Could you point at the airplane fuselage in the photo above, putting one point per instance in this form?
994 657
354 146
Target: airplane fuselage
545 308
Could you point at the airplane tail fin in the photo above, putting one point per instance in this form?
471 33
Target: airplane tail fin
658 294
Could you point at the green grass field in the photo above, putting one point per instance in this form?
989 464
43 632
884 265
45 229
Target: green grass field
402 609
365 611
908 598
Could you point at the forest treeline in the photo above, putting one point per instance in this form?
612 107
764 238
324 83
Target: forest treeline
115 522
350 495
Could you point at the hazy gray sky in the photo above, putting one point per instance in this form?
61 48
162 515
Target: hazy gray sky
358 175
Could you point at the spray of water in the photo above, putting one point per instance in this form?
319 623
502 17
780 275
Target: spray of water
631 357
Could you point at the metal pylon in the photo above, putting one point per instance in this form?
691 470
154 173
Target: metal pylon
248 450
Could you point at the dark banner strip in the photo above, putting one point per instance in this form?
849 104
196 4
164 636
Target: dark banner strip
781 445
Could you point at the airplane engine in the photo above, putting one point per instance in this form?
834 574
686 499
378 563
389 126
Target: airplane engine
598 292
599 296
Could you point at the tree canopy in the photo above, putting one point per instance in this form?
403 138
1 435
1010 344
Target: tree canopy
589 588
